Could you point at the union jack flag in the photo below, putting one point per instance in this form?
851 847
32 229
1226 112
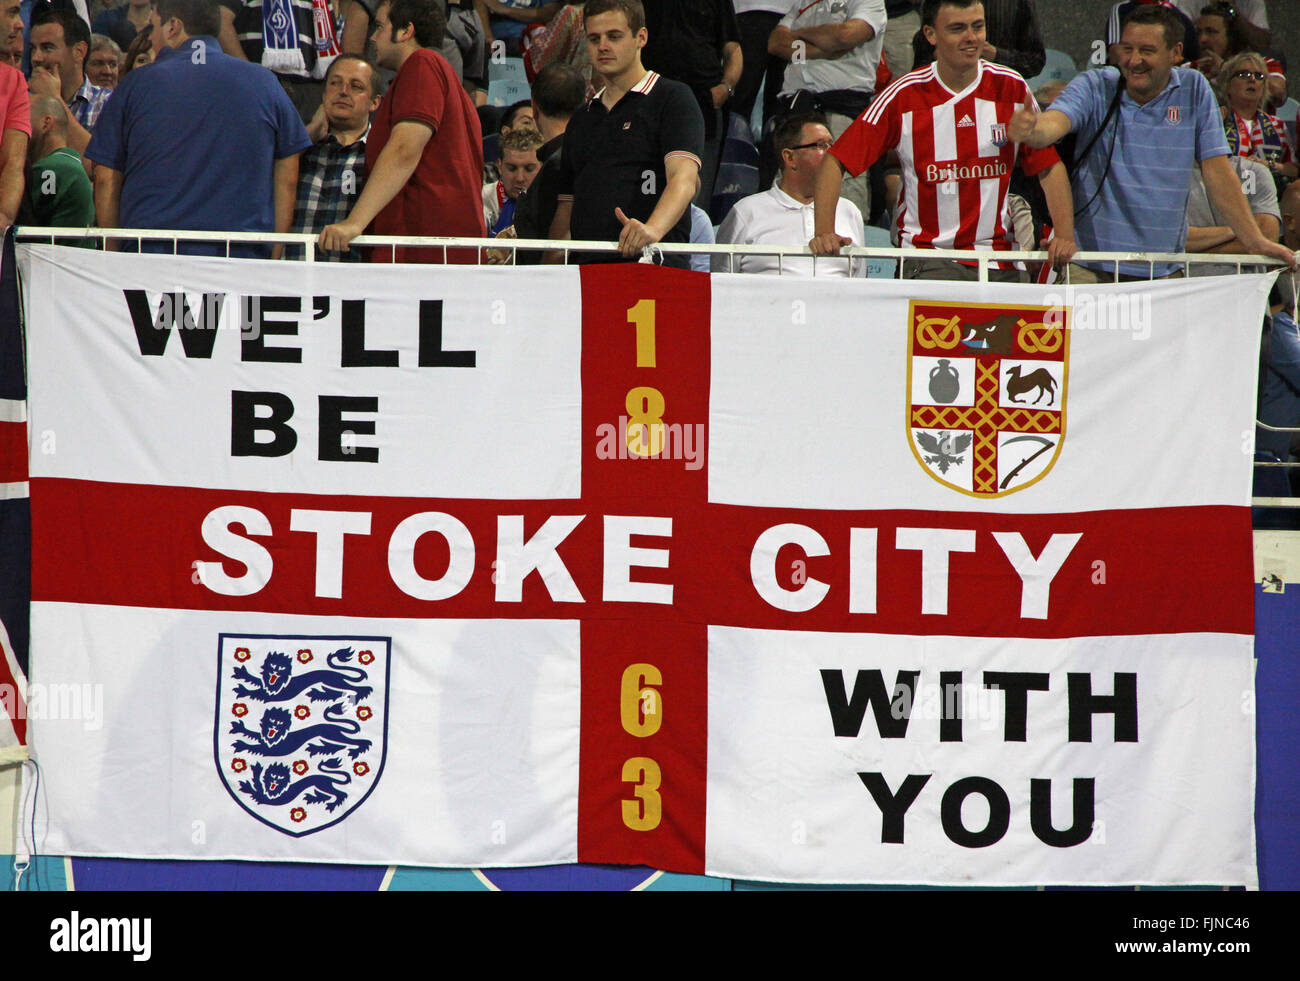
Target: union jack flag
15 519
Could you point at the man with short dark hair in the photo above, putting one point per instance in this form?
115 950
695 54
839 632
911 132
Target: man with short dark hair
558 92
1188 36
518 116
162 161
1011 38
60 41
331 173
783 214
948 121
424 157
631 159
1140 129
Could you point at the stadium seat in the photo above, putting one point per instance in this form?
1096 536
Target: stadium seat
738 170
1287 113
1059 67
491 148
877 268
507 82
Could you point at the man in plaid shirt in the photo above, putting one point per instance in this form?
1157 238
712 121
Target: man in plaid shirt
332 173
60 41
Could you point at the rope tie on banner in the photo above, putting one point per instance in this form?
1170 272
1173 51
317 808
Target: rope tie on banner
26 844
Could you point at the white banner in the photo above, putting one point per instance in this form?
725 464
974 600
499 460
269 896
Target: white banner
878 582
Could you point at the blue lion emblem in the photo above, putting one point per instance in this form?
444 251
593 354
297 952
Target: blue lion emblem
300 742
274 787
276 737
279 684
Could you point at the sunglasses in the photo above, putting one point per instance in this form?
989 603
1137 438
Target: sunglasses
1253 76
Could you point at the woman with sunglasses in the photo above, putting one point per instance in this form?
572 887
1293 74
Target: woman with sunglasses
1250 130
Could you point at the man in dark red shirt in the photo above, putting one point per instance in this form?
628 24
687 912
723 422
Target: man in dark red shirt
424 155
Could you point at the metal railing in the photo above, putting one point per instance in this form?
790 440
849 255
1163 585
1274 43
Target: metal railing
565 247
505 251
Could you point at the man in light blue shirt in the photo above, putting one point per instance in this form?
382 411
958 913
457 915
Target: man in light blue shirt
1140 131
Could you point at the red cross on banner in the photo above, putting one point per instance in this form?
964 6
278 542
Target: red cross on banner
675 635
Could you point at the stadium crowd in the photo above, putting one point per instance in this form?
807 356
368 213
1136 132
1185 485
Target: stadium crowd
827 123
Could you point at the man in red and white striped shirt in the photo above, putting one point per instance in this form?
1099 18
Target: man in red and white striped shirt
948 122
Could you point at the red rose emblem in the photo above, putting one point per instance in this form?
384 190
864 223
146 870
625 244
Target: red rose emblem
238 765
300 767
304 656
364 713
365 657
301 712
239 709
242 654
298 814
360 769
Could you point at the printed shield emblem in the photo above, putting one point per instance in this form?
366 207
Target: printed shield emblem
301 729
1174 116
987 387
999 134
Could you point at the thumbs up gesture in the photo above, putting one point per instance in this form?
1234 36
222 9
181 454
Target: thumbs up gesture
635 235
1021 124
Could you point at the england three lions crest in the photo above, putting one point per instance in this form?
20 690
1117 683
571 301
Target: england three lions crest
301 725
987 386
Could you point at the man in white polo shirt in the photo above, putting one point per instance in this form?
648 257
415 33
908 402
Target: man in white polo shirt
783 214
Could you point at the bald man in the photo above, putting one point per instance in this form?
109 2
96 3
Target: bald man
59 194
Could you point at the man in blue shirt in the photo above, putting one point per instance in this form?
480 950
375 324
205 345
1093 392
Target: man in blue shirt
197 140
1140 130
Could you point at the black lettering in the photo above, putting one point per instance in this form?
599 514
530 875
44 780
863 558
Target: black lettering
331 444
999 812
355 352
431 353
1017 685
950 709
256 327
152 332
1040 813
1123 704
893 806
245 423
869 687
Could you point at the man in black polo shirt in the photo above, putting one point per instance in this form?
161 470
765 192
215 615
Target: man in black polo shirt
631 159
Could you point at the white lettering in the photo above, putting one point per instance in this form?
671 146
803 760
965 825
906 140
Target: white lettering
218 537
934 545
329 527
517 559
620 557
1036 574
401 555
762 567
